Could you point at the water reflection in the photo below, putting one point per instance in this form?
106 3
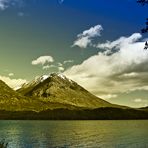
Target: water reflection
48 134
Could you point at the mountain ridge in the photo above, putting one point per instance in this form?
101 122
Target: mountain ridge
11 100
57 97
58 88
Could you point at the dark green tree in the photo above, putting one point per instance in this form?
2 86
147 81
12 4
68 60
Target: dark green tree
144 30
142 2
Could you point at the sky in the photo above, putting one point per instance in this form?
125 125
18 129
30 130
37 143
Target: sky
96 43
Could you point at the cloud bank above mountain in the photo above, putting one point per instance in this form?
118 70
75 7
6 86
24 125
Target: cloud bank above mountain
120 68
13 83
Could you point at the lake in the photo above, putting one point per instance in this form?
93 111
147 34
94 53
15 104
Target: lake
75 134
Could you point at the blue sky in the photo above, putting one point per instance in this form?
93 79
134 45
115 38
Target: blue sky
39 37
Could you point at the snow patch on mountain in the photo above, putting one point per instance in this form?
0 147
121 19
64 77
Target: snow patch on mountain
44 77
62 76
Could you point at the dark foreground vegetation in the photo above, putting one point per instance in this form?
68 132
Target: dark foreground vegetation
64 114
3 144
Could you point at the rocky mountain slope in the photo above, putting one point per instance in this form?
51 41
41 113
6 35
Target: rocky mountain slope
11 100
56 88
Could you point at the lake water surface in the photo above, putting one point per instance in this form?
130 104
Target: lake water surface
71 134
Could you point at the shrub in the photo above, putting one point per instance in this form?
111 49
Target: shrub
3 144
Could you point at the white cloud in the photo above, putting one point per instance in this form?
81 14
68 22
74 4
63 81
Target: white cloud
61 1
61 68
21 14
126 69
129 75
46 67
138 100
13 83
7 3
84 39
108 96
60 64
68 61
42 60
11 74
122 41
3 4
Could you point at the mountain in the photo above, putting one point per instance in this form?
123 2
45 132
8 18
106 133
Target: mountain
11 100
57 97
56 88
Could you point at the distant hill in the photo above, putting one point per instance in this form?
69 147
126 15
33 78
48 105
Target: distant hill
11 100
144 108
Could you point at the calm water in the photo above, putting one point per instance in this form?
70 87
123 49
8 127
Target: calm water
71 134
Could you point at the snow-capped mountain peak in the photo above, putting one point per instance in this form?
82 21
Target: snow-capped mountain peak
62 76
44 77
